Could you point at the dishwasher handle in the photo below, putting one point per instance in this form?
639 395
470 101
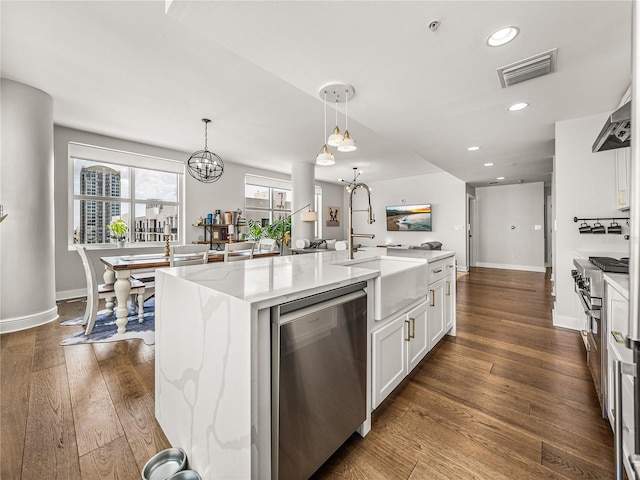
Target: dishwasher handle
317 307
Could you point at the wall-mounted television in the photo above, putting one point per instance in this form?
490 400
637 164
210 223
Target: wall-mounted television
409 218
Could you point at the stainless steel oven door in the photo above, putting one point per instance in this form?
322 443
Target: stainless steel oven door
591 305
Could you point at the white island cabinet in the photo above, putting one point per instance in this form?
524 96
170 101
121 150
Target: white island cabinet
213 351
402 340
213 354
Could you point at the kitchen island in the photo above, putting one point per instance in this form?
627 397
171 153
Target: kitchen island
213 352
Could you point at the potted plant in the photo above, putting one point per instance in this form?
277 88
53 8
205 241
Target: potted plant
118 229
256 231
280 231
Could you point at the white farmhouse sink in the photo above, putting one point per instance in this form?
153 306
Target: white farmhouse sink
402 281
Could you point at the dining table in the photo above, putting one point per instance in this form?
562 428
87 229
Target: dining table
119 269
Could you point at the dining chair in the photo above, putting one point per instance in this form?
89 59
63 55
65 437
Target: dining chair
96 291
181 255
266 244
238 251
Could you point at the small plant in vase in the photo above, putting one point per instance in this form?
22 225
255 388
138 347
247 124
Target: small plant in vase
118 229
256 232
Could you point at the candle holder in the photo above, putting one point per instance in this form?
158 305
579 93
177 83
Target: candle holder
166 245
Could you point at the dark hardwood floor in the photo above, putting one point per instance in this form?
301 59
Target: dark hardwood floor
509 398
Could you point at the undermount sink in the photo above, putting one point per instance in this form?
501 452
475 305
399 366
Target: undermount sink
402 281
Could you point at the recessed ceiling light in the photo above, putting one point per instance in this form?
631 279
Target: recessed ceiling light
489 164
473 149
499 178
518 106
502 36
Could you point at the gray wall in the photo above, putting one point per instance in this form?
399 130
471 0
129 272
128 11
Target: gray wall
200 199
508 216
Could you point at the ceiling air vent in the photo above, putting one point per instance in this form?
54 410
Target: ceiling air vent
529 68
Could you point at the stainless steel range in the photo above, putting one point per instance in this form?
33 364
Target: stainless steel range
589 286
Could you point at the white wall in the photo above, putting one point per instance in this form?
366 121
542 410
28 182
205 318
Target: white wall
584 187
200 199
445 193
506 230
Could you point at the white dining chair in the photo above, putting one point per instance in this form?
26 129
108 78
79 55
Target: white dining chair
266 245
182 255
96 291
238 251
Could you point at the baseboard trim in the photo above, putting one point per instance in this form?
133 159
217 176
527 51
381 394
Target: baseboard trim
526 268
564 321
67 294
28 321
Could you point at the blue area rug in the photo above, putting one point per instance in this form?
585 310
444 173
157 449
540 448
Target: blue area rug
106 330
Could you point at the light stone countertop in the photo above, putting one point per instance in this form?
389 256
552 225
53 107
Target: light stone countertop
265 282
619 281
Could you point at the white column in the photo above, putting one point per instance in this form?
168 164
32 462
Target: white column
302 181
27 255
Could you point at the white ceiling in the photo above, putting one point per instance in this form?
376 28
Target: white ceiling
130 70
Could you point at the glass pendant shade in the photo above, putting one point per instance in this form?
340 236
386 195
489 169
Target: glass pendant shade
348 144
335 138
325 157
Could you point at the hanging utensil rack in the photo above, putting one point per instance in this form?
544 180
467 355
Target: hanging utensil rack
576 219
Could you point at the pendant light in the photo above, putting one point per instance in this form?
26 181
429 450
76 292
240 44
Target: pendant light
336 137
347 144
325 157
203 165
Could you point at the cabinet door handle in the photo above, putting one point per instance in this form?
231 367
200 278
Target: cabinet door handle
448 287
413 328
408 338
433 298
437 271
449 266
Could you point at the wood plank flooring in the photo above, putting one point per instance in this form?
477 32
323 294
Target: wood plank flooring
509 397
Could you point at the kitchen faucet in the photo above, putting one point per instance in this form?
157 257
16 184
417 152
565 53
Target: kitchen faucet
371 219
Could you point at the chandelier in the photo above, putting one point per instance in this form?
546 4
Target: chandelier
203 165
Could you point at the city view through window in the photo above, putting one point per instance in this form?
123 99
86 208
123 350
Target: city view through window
147 200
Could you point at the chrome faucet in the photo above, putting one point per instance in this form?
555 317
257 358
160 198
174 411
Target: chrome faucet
370 220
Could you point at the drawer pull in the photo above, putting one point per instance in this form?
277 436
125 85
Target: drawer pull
413 328
438 271
618 337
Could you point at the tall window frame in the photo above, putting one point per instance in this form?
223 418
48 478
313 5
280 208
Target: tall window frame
271 205
105 184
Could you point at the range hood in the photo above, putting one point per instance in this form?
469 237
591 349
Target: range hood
616 132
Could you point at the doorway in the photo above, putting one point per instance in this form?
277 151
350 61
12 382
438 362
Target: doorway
470 227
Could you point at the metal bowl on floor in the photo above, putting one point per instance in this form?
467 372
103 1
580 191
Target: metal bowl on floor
186 475
165 464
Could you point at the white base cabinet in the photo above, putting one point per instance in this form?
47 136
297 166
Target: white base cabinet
401 343
397 348
617 313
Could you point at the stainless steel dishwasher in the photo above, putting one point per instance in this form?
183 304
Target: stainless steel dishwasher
319 367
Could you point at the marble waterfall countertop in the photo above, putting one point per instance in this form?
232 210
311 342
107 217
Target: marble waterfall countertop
265 282
213 352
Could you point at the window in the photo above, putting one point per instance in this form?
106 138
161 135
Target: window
268 199
109 184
